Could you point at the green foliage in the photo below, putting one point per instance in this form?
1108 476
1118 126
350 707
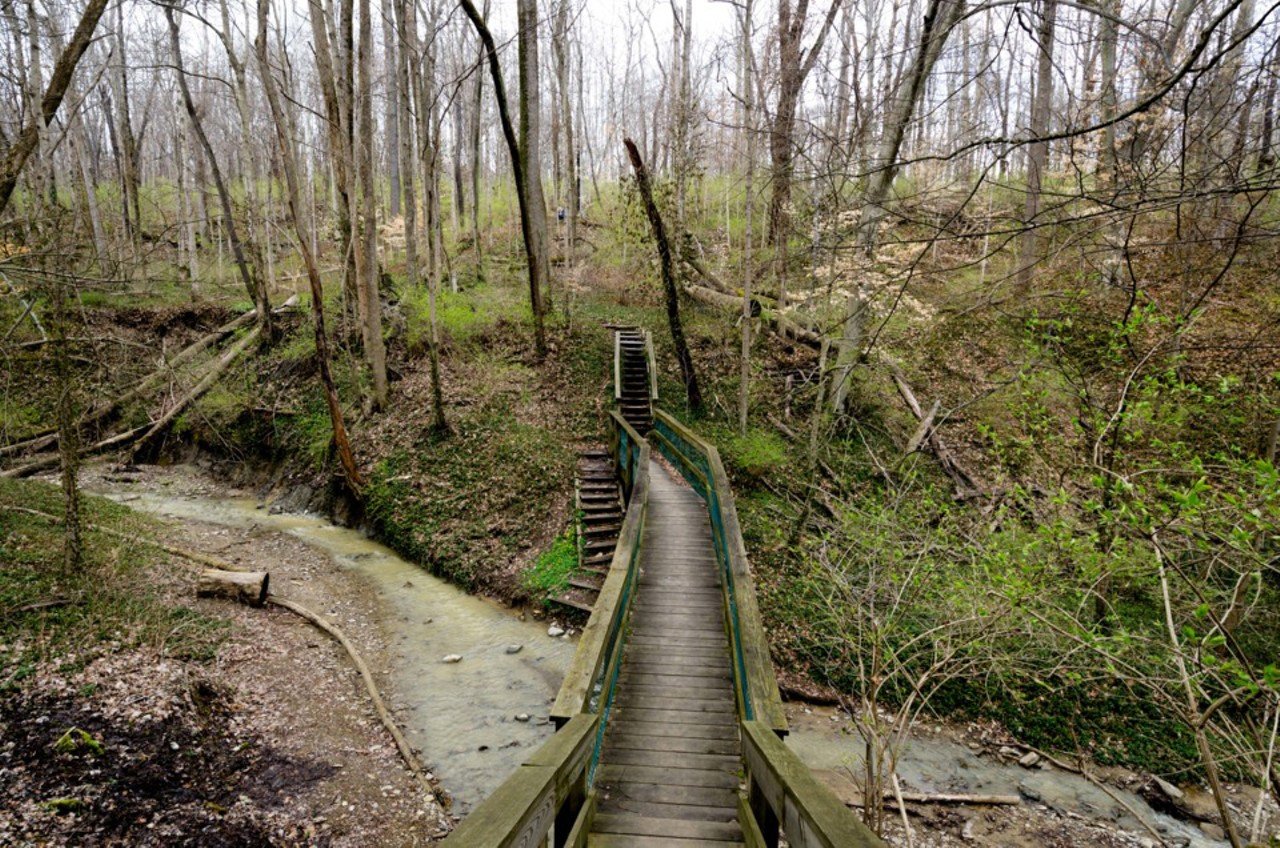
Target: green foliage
550 572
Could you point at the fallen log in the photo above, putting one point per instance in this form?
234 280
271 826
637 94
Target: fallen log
49 437
207 382
248 587
966 486
146 432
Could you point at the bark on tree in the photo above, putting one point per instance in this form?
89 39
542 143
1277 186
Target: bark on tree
15 158
530 149
513 147
794 65
248 275
406 26
938 22
687 374
367 256
1038 150
301 226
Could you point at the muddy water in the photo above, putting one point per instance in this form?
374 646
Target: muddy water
825 739
461 715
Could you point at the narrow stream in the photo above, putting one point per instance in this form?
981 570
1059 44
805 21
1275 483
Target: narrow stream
826 739
461 715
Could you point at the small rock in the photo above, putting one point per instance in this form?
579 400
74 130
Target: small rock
1169 789
1006 751
1212 830
555 630
522 717
1028 793
514 649
452 658
966 833
1147 842
1029 759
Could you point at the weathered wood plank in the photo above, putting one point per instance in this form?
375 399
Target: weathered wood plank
623 840
710 779
668 828
702 796
627 806
674 760
689 745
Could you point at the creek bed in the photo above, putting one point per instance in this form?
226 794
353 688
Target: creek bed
461 715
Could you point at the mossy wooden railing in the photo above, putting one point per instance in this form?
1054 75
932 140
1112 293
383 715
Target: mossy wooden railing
548 799
699 462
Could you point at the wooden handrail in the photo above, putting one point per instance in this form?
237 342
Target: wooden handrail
602 637
548 789
552 787
782 792
699 461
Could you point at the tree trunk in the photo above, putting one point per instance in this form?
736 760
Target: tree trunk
530 111
1038 150
15 158
687 374
391 127
367 257
749 213
527 226
406 25
252 282
938 22
300 225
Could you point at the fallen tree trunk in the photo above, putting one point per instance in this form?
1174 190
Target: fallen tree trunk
248 587
207 382
780 324
49 437
144 434
966 486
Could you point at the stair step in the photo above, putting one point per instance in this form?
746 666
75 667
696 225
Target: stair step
570 602
610 530
584 583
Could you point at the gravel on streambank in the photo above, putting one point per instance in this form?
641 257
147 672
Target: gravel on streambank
272 742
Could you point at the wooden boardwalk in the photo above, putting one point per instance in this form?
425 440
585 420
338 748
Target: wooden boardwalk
668 774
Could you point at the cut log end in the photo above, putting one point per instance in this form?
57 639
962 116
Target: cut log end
248 587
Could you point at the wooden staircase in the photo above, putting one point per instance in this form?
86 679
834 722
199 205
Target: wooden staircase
599 504
635 397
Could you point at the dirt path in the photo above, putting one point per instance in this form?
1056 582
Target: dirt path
320 768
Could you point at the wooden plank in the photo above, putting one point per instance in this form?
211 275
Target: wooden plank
674 639
668 828
720 813
696 668
676 716
710 779
622 840
675 760
701 796
636 740
693 705
622 723
661 689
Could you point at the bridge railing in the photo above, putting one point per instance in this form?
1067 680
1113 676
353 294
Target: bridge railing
549 797
699 462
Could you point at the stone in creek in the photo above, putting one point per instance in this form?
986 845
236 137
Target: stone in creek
522 717
555 630
514 649
1029 759
452 658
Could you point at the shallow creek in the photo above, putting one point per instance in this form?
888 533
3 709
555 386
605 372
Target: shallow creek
935 763
463 715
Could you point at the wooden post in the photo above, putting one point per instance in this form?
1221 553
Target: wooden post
570 809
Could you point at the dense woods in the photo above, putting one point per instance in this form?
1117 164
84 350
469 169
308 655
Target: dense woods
981 300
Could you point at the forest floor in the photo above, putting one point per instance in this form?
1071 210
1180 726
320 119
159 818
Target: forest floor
270 741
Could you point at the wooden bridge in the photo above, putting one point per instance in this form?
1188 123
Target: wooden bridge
670 725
